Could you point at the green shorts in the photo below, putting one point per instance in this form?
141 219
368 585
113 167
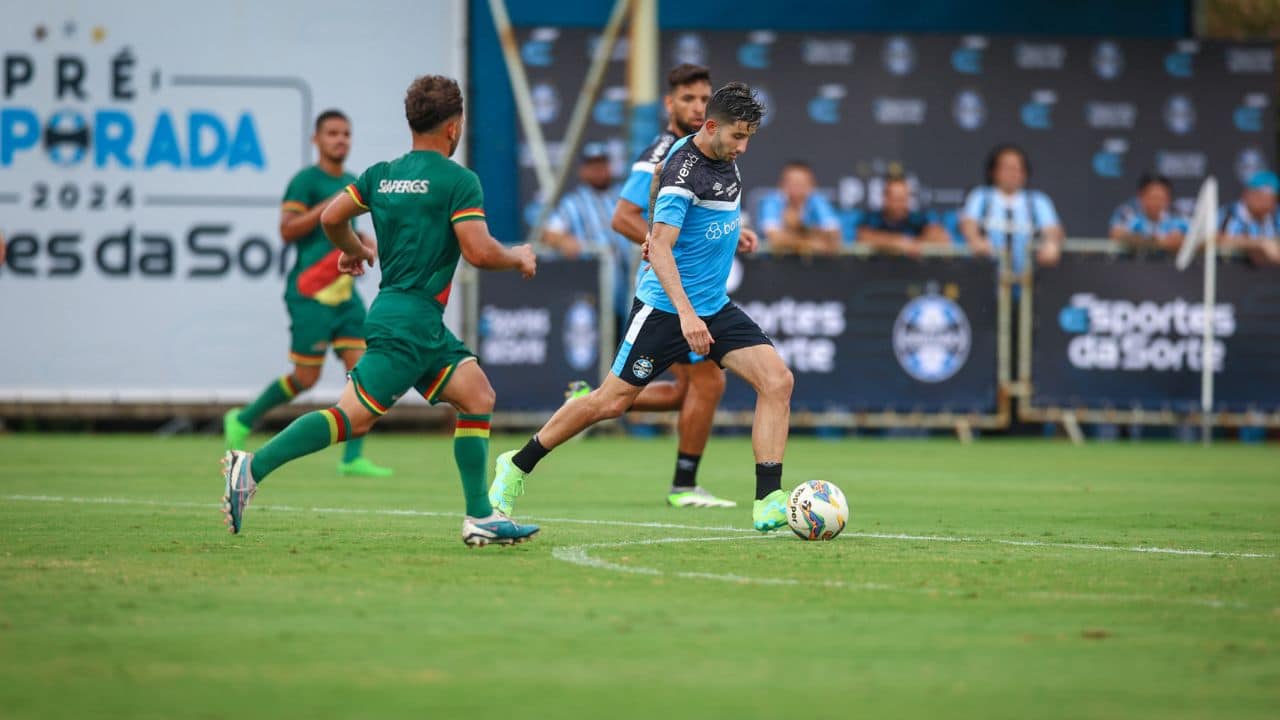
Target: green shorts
409 347
314 327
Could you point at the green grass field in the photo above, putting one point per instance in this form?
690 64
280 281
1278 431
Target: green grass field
1007 579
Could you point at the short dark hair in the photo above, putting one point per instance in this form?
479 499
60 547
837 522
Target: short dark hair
1153 178
431 100
330 114
687 74
894 179
734 103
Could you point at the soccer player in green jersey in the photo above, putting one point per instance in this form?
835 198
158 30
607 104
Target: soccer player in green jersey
427 212
324 308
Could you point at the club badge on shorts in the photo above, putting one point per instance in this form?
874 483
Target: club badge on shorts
642 368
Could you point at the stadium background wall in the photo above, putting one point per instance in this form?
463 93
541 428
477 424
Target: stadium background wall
494 136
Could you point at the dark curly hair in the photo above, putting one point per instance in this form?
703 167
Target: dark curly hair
734 103
687 74
431 100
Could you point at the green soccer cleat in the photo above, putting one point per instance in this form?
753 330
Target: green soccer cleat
508 484
364 467
771 512
234 432
696 497
577 389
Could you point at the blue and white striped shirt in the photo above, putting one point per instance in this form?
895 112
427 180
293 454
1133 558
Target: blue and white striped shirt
587 214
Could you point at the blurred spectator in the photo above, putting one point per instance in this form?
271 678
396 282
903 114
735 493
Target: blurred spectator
1251 224
896 229
2 248
797 219
1147 221
582 223
1004 214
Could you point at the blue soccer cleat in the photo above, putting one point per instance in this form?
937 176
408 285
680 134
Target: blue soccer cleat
497 529
240 487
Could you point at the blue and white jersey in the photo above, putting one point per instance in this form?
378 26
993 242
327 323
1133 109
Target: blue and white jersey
1240 222
1130 217
636 189
702 197
1011 221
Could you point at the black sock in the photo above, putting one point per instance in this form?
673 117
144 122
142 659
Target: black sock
686 470
529 455
768 478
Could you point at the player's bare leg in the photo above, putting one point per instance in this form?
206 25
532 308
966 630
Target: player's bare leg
611 399
354 463
764 370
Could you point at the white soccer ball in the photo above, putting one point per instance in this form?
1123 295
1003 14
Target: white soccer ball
817 510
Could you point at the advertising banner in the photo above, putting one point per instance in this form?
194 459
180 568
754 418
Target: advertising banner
878 334
1126 334
536 336
144 150
1092 113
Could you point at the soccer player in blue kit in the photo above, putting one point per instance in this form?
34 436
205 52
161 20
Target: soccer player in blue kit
699 383
681 306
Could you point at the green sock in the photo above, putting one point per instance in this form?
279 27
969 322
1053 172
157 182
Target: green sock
310 433
353 449
471 451
280 391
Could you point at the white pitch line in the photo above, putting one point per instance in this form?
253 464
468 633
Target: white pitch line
654 525
579 555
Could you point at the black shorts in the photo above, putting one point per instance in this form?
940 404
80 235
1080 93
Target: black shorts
653 341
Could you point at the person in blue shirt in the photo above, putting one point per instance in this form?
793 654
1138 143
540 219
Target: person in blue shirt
681 306
581 223
1147 221
698 386
895 228
1251 224
795 218
1003 215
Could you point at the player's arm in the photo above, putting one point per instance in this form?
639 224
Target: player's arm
297 222
483 251
336 219
663 261
628 220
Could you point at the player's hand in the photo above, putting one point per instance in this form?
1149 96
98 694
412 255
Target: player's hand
526 260
354 265
644 247
748 241
696 334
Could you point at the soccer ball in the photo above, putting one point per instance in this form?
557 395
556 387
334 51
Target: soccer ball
817 510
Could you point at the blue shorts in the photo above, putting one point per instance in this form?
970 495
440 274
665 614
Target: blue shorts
654 341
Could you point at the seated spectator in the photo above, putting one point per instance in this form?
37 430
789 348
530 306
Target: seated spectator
797 219
582 223
1251 224
895 228
1147 221
1003 215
